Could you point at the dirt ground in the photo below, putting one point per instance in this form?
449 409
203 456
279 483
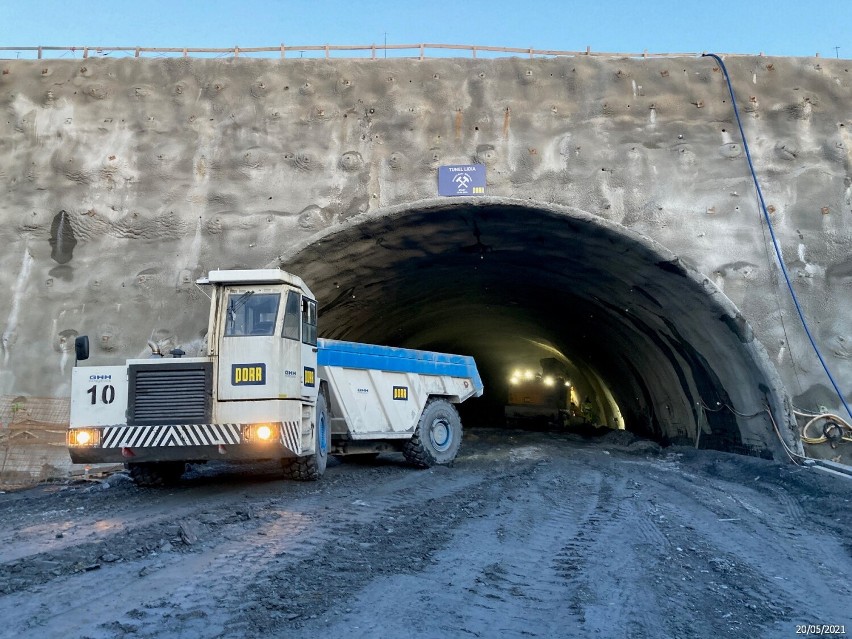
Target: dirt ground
527 535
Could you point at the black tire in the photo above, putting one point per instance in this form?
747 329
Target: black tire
312 467
152 474
437 437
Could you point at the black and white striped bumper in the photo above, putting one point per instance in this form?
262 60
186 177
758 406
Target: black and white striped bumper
181 442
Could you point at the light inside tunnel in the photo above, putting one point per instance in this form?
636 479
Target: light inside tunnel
645 342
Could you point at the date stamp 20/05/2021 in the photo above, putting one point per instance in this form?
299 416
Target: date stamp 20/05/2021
820 629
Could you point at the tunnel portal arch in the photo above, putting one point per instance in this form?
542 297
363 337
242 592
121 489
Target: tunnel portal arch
649 338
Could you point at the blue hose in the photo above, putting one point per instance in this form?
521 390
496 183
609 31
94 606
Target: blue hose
772 234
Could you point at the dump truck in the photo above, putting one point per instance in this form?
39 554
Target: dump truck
267 388
539 399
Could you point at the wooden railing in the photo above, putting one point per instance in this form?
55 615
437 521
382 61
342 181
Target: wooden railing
370 51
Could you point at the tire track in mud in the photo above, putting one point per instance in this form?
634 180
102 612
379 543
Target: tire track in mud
503 589
171 573
520 582
604 584
94 510
128 524
115 544
66 532
232 542
513 590
185 607
794 520
517 540
641 516
770 558
716 530
641 564
417 518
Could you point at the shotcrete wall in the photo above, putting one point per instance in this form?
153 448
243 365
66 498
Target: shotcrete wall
124 180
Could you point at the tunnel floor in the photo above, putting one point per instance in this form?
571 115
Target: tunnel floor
646 343
525 535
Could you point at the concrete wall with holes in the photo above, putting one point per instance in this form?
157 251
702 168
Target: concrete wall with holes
124 180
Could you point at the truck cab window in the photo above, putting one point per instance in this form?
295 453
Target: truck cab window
251 314
309 321
292 320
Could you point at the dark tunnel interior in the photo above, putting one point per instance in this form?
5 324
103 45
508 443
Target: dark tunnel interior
642 339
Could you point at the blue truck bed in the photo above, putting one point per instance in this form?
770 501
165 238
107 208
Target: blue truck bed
401 360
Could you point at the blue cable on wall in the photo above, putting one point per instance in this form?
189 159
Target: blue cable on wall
772 234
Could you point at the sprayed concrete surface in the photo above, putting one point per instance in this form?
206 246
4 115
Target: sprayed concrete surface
620 229
541 535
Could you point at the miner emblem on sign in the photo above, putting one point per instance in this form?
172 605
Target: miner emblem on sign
462 180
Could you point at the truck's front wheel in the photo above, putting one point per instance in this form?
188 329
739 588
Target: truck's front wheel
438 435
312 467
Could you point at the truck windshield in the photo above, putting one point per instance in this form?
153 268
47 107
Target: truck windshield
251 313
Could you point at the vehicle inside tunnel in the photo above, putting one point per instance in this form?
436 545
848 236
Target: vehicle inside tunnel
642 341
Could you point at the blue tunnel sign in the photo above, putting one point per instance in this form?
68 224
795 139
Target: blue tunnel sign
461 179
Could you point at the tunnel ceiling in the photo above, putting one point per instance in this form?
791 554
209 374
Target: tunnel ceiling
510 283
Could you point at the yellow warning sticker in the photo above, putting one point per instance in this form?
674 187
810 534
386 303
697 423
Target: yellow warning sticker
400 392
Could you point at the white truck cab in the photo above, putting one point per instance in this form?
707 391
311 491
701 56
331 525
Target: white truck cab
267 388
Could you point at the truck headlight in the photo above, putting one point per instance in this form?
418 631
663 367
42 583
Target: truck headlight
261 433
84 437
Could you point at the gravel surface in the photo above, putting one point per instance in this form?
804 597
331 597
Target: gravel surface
527 535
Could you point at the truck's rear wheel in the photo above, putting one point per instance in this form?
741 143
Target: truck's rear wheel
438 435
312 467
156 473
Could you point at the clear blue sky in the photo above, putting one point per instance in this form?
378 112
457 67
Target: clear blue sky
780 27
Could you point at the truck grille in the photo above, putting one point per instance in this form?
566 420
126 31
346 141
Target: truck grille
176 393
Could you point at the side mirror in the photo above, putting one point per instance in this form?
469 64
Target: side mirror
81 347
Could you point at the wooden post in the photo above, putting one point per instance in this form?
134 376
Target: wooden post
373 49
327 55
136 54
474 52
85 52
422 51
283 51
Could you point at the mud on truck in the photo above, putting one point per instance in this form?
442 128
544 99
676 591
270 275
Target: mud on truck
267 388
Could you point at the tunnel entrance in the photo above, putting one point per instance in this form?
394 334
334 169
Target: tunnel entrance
647 343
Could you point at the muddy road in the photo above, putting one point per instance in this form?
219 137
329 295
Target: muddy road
528 535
